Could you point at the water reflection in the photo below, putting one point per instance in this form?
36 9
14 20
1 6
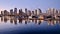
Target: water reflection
53 22
39 22
15 20
4 19
1 19
11 20
20 20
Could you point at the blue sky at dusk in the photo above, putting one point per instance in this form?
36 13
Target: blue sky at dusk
29 4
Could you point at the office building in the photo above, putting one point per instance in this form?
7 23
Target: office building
52 11
11 12
6 12
32 13
29 13
2 12
15 11
35 12
26 11
39 11
20 11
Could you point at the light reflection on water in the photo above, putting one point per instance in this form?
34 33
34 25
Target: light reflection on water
17 25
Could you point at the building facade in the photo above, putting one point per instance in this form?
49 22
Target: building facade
11 12
15 11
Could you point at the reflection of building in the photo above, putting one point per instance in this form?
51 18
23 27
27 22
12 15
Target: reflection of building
15 20
35 21
53 22
11 20
25 22
5 19
20 20
1 18
39 22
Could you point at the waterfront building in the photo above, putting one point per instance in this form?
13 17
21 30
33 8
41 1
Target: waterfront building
15 11
11 12
35 12
29 13
32 13
59 11
52 11
2 12
48 11
20 11
41 17
39 11
6 12
26 11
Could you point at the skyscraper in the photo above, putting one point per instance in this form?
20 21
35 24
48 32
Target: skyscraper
20 11
35 12
48 11
2 12
6 12
52 11
29 12
11 12
26 11
32 13
15 11
39 11
59 11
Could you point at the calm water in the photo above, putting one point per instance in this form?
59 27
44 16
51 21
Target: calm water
12 25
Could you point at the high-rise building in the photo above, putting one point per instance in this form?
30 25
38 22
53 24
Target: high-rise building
39 11
35 12
56 11
20 11
32 12
11 12
26 11
48 11
2 12
15 11
52 11
59 11
29 12
5 12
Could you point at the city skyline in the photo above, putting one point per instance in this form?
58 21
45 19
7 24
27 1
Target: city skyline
36 11
29 4
29 16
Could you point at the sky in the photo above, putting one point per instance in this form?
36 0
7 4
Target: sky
29 4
